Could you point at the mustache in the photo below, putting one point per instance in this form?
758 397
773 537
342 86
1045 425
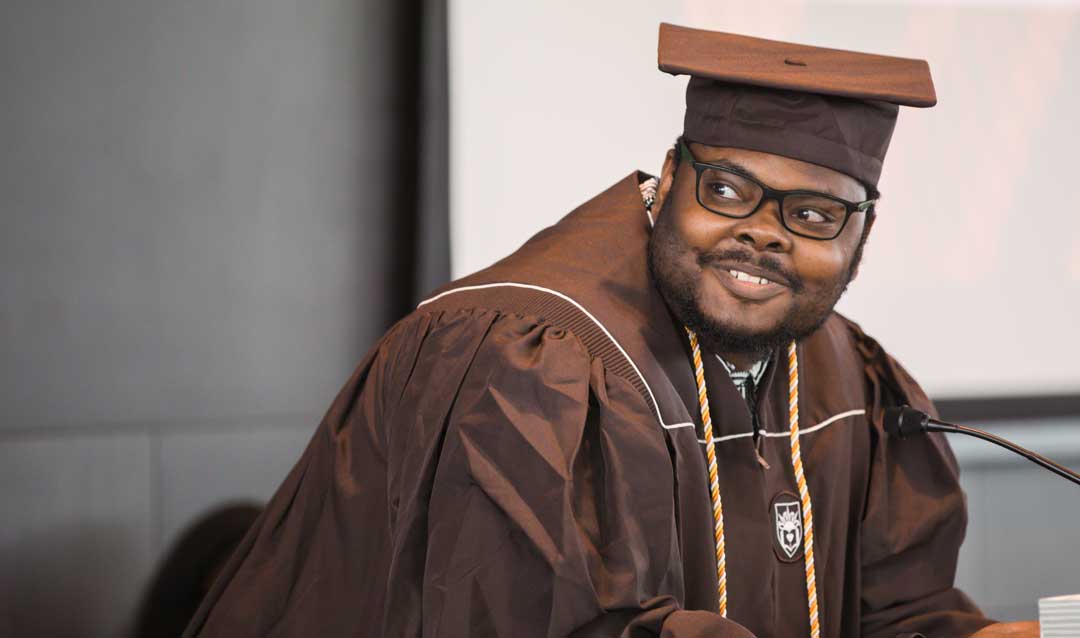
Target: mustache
743 256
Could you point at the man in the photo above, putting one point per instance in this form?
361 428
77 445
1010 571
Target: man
648 420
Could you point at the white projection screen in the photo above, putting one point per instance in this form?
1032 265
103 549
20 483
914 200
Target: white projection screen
972 275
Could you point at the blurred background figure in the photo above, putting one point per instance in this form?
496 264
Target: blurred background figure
189 568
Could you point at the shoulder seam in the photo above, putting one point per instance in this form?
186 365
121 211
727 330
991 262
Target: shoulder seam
597 339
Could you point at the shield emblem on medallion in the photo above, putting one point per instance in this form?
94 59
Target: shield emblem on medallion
788 527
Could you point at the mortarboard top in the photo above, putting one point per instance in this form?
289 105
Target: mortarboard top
740 59
826 106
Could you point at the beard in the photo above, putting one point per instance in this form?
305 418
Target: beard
680 287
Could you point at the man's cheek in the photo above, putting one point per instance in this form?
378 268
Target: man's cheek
824 270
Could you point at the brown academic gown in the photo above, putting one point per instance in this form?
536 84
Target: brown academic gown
520 457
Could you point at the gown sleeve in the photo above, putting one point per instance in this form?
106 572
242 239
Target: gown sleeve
551 511
480 475
914 521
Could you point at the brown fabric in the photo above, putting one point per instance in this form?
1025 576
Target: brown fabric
493 469
825 106
740 59
849 136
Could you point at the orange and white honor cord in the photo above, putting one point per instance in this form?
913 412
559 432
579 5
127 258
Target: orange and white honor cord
714 477
800 480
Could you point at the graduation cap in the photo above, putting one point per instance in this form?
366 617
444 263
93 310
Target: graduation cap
829 107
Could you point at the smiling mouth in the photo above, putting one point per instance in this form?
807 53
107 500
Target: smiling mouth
748 272
747 277
746 287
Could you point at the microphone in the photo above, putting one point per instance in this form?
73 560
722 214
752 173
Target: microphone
905 421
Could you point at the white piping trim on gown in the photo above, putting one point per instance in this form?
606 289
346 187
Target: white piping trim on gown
588 314
829 421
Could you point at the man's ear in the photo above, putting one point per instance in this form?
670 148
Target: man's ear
667 177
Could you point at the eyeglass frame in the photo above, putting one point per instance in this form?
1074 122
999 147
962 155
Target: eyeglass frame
768 193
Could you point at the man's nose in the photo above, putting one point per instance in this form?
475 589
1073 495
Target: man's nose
763 230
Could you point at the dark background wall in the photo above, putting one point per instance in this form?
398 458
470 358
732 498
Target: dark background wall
204 226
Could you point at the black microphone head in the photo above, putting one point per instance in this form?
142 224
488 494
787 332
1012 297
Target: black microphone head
905 421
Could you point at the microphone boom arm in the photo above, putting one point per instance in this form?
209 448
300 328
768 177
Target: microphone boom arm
906 421
934 425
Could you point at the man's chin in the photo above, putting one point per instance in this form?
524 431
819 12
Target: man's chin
729 338
742 330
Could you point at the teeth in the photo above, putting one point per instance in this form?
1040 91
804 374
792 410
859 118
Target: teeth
741 276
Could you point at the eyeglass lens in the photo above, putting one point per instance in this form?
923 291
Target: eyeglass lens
733 195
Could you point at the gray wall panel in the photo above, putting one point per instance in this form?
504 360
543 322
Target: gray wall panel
186 191
200 470
1024 521
193 257
75 540
969 571
1027 529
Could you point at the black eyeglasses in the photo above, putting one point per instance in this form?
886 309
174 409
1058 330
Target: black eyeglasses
732 193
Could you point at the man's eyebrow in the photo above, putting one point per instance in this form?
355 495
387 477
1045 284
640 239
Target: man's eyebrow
732 164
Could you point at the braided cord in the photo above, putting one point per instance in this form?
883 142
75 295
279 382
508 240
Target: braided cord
804 492
714 478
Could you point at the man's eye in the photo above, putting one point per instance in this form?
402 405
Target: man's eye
720 189
812 216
